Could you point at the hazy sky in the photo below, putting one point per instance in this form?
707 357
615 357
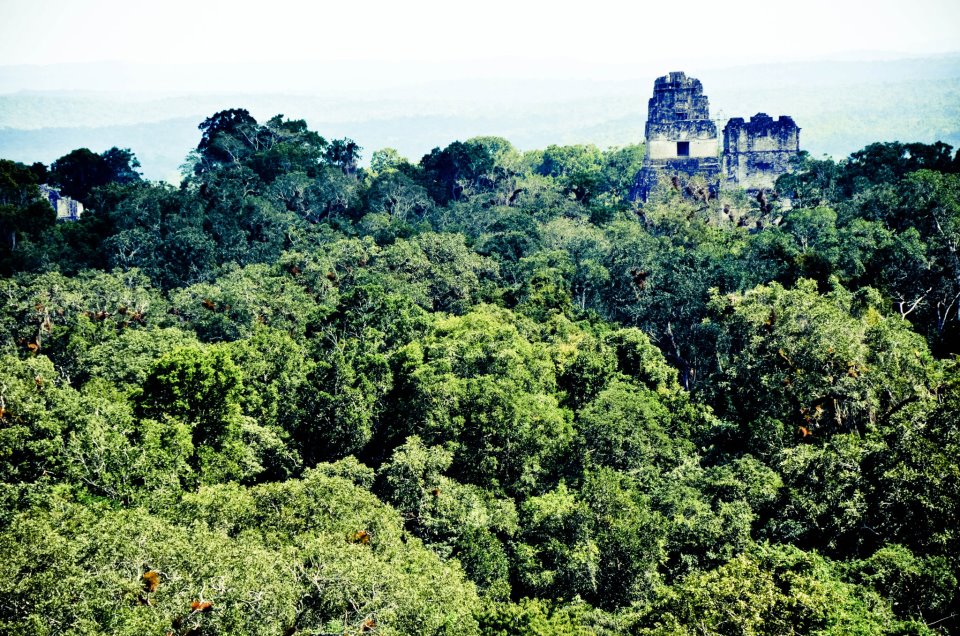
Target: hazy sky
593 32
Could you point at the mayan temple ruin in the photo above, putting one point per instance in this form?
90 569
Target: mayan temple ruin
758 151
682 142
66 208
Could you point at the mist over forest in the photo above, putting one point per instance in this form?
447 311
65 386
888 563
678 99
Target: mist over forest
841 106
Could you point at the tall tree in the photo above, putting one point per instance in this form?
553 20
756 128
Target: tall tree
80 171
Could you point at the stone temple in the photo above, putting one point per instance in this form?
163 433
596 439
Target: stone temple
758 151
682 142
66 208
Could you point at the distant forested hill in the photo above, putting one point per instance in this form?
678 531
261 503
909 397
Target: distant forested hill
840 107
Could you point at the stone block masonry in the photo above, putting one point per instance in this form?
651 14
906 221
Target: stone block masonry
681 139
67 209
758 151
682 142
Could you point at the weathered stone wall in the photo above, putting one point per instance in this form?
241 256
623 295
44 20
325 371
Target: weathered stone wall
758 151
681 139
66 208
700 135
682 142
677 97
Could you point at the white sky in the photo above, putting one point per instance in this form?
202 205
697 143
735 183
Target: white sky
593 32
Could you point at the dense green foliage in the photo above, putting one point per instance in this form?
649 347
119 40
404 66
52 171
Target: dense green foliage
482 394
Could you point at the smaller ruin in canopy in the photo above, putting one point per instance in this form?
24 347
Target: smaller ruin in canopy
758 151
67 209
